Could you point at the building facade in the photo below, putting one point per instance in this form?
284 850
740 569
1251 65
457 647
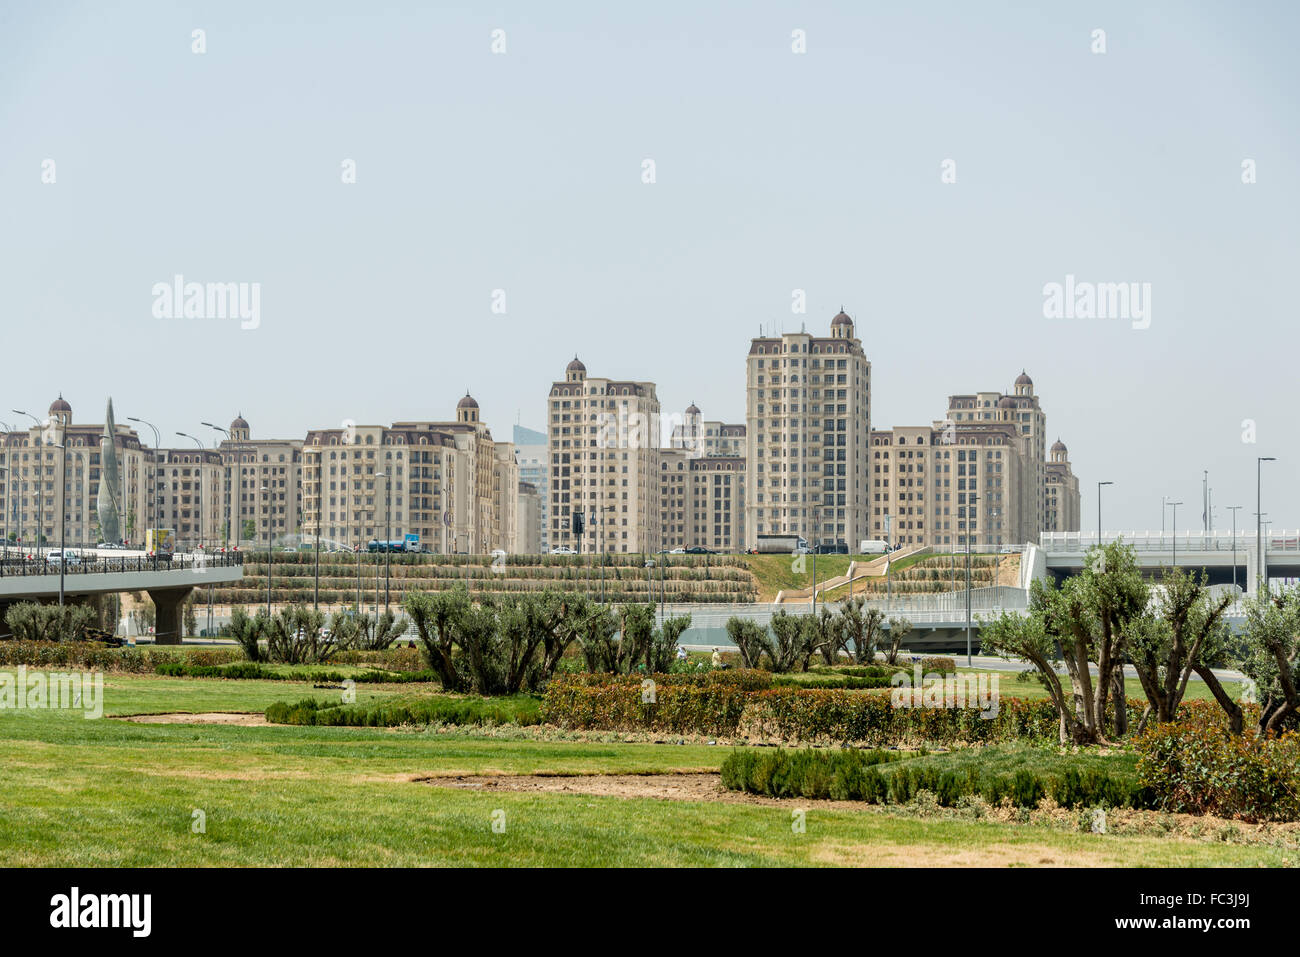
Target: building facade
603 448
808 427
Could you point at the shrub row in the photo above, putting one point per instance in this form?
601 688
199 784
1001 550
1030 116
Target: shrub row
852 775
745 679
572 701
793 714
1194 766
253 670
94 656
517 709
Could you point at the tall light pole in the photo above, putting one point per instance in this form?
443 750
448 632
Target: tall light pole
388 529
1173 518
1261 577
230 508
154 504
40 479
971 499
1205 502
1099 485
269 532
63 520
8 506
198 491
1233 510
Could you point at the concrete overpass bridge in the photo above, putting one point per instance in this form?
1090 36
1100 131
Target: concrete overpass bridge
1061 554
168 583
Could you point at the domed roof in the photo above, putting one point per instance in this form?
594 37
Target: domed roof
467 402
842 319
1006 402
692 409
239 422
60 405
575 366
1023 379
1059 446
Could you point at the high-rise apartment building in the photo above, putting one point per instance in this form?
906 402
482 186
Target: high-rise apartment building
706 437
978 474
1061 492
702 500
439 481
603 448
808 425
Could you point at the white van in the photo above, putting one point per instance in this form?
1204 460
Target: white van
56 557
872 547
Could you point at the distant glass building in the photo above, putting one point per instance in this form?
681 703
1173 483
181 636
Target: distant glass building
530 452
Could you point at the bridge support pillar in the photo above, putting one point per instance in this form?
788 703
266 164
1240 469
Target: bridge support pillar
167 604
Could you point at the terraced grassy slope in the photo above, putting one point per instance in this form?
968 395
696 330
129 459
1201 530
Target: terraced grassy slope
682 578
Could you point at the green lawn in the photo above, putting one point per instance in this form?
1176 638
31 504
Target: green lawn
116 793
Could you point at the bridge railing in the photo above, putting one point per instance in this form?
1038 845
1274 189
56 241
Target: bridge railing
12 566
1280 541
947 607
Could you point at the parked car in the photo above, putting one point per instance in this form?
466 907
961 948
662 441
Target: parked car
700 550
57 557
678 551
563 550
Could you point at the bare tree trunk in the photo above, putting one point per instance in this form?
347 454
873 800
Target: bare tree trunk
1235 716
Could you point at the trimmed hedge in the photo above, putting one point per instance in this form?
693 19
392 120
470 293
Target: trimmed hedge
803 715
518 709
852 775
1194 766
95 656
838 775
253 670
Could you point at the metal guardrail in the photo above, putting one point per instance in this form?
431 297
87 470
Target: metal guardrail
23 567
947 607
1284 541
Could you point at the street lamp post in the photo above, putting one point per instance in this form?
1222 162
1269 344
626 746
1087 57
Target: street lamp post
1099 485
972 499
198 490
154 511
230 507
1173 520
40 478
7 429
269 531
1233 510
1261 577
63 521
388 529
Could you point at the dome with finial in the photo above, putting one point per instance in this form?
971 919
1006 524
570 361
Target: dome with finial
467 403
1006 402
239 422
692 409
576 365
1059 446
60 405
1023 379
842 318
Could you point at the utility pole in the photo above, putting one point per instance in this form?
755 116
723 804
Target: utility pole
1233 510
1261 577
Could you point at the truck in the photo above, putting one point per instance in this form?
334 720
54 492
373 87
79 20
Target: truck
160 543
780 544
872 546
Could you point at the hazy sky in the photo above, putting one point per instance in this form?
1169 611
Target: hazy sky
522 171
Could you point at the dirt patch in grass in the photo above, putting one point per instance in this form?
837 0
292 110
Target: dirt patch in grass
689 785
242 719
